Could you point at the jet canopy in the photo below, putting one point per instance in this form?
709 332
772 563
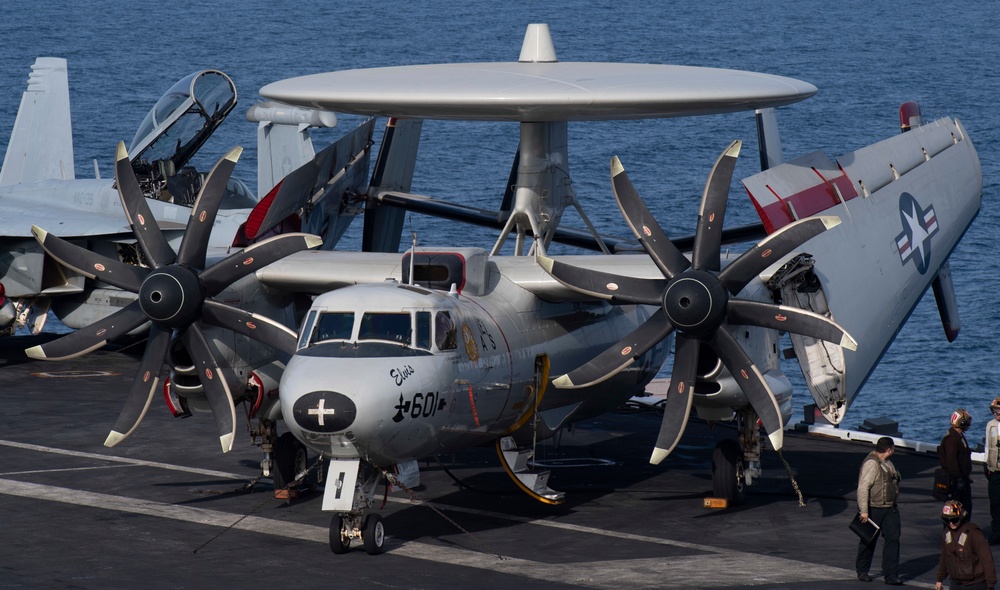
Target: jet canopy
182 120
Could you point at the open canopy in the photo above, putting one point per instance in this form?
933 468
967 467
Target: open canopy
183 118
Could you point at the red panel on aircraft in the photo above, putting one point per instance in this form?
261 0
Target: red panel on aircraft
806 202
259 212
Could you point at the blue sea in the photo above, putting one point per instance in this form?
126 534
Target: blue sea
865 57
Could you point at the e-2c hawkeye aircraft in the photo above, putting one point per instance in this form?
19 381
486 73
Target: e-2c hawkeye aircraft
38 173
457 347
401 356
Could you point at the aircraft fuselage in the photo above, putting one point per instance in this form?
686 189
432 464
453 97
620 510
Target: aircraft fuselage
415 371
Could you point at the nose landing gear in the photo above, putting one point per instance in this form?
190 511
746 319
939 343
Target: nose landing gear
345 527
350 495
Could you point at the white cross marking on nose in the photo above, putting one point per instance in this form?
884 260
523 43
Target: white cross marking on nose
321 411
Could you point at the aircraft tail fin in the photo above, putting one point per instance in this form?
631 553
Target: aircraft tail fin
768 139
283 141
393 172
317 194
41 143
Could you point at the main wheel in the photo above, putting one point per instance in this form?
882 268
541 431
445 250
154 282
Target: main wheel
727 472
290 459
339 543
374 535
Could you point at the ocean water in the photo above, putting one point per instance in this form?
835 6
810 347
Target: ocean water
865 57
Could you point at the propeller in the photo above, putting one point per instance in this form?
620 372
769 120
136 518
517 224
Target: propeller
175 296
696 300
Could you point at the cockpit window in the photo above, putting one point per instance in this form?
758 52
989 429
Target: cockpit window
335 325
307 327
416 329
444 331
394 327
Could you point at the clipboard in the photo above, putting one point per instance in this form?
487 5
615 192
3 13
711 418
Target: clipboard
866 531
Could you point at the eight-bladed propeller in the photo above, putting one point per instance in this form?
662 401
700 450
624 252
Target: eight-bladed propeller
175 295
697 300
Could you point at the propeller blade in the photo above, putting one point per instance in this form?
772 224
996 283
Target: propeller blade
613 360
232 268
615 288
748 377
194 244
92 337
788 319
656 243
708 235
772 248
216 388
158 252
144 386
258 327
678 406
90 264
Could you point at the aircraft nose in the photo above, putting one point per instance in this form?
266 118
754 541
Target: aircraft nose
324 411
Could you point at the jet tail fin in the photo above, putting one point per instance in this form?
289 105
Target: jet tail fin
41 143
315 195
283 141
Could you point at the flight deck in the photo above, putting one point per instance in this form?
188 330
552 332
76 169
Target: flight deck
166 509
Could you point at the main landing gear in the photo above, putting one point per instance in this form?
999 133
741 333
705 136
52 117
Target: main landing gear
285 460
736 463
290 461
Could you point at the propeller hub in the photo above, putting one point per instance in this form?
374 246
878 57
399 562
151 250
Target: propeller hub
695 302
171 297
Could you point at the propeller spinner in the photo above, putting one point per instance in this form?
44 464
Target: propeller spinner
698 301
175 296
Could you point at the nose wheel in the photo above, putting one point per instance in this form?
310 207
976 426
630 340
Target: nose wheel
340 538
349 495
374 535
344 527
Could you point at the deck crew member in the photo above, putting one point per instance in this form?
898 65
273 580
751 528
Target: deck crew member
878 488
965 555
991 467
956 458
